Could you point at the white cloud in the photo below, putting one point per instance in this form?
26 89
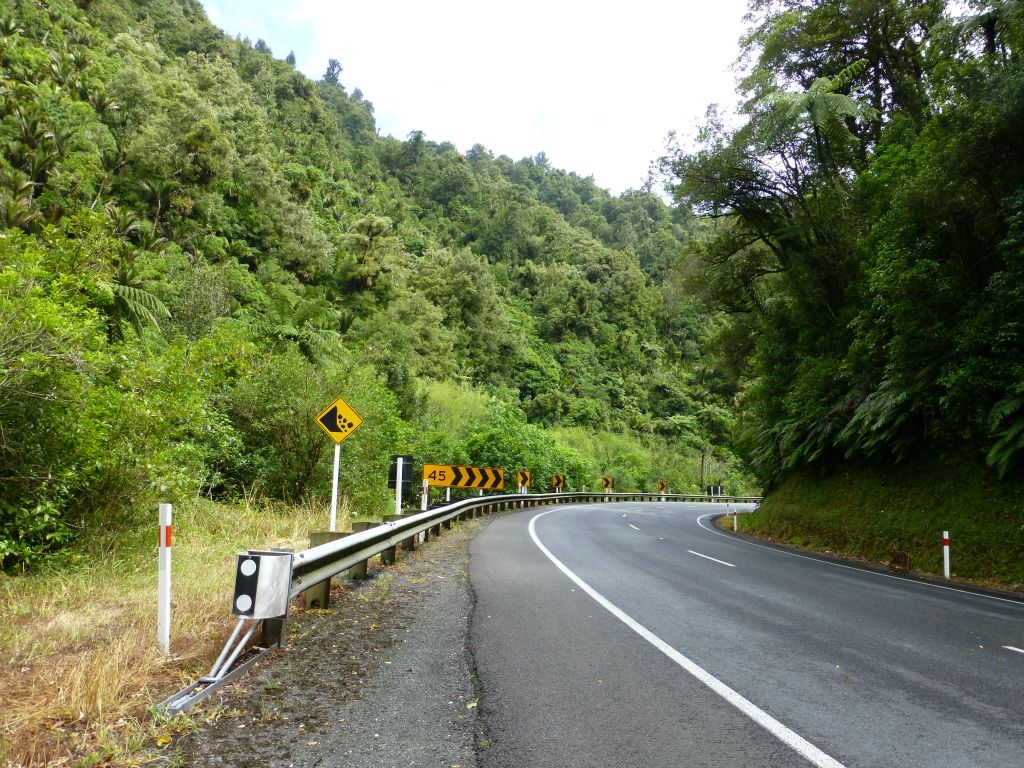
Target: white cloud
596 87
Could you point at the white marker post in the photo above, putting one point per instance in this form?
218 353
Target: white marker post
448 495
334 487
163 588
426 495
735 524
945 553
398 485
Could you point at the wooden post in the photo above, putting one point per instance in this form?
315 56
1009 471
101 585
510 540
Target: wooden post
358 571
389 555
319 595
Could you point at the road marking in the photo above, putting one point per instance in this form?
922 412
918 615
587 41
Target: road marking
1011 648
633 526
787 736
624 514
851 567
714 559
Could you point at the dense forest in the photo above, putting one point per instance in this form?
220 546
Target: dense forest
202 248
869 242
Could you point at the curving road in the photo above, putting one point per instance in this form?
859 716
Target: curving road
633 634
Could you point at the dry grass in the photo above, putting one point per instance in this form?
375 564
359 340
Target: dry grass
79 666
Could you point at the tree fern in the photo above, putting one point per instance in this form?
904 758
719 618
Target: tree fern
1007 416
136 306
879 422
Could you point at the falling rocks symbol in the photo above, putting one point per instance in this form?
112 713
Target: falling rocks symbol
334 423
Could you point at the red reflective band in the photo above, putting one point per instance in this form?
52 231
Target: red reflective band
165 536
945 542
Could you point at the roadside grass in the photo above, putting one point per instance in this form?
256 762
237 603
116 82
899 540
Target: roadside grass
79 666
878 511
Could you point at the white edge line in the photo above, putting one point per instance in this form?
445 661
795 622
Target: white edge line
1012 648
633 526
789 737
708 557
852 567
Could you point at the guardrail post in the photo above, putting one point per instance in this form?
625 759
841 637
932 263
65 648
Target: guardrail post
389 555
272 630
409 544
447 524
319 595
358 571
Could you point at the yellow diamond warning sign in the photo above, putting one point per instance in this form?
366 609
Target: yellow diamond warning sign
339 420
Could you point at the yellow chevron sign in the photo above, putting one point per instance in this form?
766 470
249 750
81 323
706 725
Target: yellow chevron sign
523 478
558 482
448 476
607 482
662 486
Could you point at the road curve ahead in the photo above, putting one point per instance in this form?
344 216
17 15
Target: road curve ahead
633 634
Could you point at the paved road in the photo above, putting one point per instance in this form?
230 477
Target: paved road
657 641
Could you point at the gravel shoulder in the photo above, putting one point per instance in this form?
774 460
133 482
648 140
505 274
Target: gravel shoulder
382 678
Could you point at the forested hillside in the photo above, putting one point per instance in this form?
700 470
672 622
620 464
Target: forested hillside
869 248
202 247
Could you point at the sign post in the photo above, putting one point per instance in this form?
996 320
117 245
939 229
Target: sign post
338 421
334 488
399 461
400 476
163 608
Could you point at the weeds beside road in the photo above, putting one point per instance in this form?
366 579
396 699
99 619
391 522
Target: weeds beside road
79 665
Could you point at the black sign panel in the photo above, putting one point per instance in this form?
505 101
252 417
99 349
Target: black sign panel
406 471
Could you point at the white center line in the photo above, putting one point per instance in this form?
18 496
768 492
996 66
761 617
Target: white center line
624 515
633 526
706 557
1011 648
789 737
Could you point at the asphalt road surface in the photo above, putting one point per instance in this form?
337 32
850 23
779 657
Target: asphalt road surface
633 634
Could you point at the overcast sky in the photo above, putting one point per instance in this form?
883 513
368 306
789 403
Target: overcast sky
594 86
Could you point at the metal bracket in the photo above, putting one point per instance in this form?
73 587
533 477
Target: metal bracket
220 673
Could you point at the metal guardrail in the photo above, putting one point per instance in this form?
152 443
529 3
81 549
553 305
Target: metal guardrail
317 564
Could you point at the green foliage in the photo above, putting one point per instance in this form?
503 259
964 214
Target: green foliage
868 242
872 511
201 249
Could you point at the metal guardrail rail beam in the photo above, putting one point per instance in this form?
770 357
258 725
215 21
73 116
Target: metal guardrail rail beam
317 564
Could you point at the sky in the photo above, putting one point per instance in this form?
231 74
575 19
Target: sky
595 86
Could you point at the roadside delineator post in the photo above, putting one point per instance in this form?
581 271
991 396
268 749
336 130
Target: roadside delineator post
945 553
425 495
163 608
